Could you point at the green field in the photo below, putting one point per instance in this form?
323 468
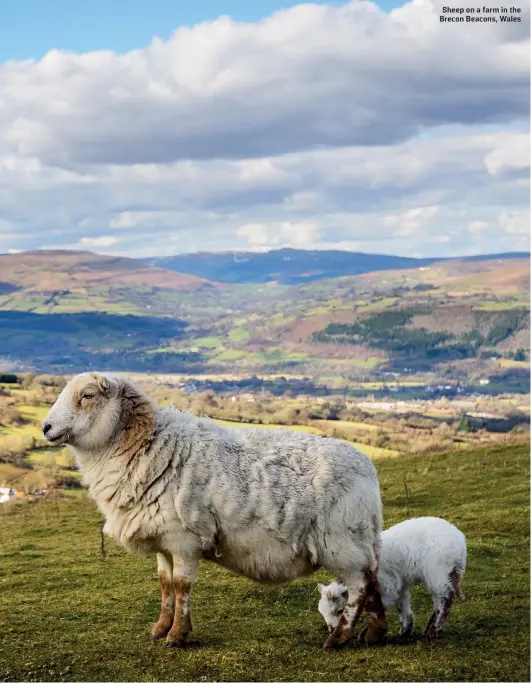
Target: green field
66 614
371 451
296 428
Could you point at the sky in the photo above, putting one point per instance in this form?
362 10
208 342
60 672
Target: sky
151 128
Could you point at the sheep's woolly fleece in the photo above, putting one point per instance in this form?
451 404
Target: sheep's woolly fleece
271 505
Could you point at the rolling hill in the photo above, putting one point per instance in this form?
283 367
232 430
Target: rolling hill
297 266
66 311
54 271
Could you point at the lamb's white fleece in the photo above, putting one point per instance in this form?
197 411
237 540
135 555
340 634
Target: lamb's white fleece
426 550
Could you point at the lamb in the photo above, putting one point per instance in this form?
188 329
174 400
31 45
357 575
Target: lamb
426 550
269 505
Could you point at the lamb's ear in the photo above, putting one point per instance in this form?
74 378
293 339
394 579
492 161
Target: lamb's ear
321 588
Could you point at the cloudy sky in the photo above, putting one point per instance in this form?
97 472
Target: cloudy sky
139 129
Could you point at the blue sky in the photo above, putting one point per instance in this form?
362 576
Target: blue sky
330 125
30 28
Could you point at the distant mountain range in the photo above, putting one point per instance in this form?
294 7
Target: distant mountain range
297 266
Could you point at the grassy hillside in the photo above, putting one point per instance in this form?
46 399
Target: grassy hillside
68 614
55 271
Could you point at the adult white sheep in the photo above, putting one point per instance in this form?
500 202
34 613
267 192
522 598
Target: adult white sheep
426 550
270 505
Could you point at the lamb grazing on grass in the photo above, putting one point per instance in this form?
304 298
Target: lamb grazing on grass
426 550
270 505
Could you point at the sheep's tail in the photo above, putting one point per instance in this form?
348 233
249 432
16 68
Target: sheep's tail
455 580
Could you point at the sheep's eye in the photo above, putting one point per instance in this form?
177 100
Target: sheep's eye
88 395
339 612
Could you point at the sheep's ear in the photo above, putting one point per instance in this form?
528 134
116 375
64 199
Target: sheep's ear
105 386
321 588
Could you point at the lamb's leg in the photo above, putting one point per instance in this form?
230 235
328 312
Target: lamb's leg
442 606
167 603
403 605
184 572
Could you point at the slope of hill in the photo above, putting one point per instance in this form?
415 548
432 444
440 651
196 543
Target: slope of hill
295 266
90 617
54 271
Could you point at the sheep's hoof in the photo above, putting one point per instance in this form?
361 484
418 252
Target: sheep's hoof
336 643
405 635
157 635
362 636
431 637
378 637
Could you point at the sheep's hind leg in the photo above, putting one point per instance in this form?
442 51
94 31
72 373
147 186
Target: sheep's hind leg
442 607
184 572
376 631
363 591
167 602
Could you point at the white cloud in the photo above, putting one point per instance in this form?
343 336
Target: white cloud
310 75
411 221
320 125
300 235
515 222
257 234
103 241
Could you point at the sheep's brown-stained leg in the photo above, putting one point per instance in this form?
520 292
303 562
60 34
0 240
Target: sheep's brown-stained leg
183 576
429 630
444 613
343 632
377 627
167 602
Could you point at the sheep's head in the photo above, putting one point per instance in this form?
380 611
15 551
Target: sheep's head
86 413
332 603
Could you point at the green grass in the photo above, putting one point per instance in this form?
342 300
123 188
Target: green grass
386 302
501 305
238 334
231 355
207 342
66 614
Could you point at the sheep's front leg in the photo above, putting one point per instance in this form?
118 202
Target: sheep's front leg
184 572
167 602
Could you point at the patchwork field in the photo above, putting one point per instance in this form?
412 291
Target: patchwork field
449 320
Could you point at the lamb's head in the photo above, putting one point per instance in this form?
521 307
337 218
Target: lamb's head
332 603
87 412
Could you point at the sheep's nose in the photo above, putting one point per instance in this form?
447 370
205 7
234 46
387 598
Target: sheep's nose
46 427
